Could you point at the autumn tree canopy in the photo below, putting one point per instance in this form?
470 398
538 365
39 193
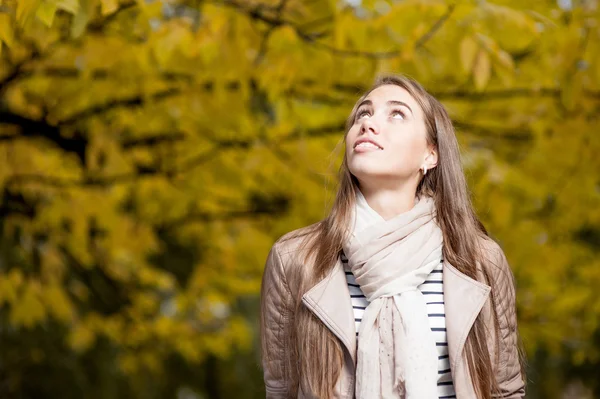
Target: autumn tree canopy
151 152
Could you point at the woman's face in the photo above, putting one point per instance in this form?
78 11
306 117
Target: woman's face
388 140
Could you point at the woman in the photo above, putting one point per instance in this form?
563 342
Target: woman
398 292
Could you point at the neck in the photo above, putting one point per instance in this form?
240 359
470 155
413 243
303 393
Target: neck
389 202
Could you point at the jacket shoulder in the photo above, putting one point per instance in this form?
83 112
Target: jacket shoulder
495 263
295 241
291 250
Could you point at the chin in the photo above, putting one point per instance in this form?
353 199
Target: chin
367 172
366 164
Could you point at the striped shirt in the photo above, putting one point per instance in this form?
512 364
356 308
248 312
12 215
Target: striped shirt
432 289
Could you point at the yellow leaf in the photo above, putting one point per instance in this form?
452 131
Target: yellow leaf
25 9
70 6
9 286
81 338
6 30
482 70
468 52
29 309
507 67
505 59
188 350
81 18
150 361
46 12
571 92
109 6
163 327
128 363
58 303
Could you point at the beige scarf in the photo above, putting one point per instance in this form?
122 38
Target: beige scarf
397 357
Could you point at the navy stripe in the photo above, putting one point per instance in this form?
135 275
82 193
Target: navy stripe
435 315
444 371
354 285
448 397
437 271
438 329
357 296
442 344
443 357
435 303
444 383
359 307
432 293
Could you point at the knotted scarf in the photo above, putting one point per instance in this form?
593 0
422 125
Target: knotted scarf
397 357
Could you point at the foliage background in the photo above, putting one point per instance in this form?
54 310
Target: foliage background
152 151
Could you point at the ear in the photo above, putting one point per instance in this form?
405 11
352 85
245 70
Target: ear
431 157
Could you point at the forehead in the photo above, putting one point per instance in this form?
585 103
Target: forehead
381 95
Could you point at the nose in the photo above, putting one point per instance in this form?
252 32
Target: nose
368 126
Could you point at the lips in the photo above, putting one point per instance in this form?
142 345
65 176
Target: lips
367 144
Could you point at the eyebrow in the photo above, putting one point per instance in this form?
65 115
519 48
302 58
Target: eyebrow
391 102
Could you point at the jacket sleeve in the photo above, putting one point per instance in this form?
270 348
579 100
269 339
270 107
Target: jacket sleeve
276 302
508 375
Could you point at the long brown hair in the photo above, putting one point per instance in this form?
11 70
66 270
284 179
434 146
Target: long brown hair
316 357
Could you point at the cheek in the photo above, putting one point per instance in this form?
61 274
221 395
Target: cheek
407 151
348 140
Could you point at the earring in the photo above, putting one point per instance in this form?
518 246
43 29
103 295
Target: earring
424 170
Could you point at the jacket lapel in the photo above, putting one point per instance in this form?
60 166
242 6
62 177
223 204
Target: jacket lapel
464 298
330 301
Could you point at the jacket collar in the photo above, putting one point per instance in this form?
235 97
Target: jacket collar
464 298
330 301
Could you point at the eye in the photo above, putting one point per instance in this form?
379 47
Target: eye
362 113
398 112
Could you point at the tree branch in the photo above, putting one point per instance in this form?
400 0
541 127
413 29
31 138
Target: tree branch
76 144
96 74
18 70
100 23
321 131
436 26
277 21
88 181
130 102
207 217
516 134
498 94
152 140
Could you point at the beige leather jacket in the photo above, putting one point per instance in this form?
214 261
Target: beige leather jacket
329 300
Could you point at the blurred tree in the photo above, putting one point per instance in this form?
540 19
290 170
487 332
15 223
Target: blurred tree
151 151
